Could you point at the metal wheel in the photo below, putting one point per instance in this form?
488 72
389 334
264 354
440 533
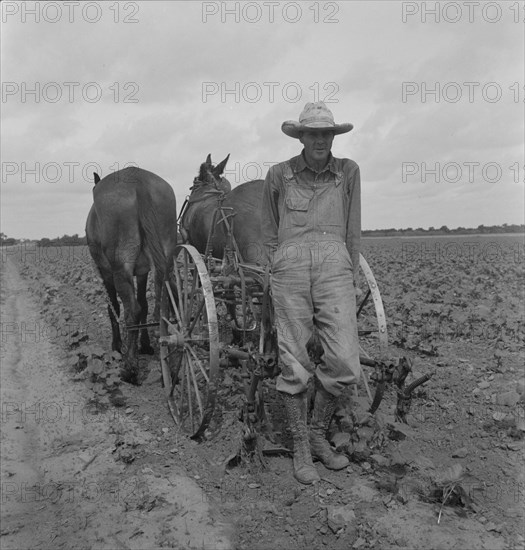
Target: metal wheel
370 322
189 342
380 318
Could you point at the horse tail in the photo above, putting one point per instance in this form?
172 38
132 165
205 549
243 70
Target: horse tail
149 227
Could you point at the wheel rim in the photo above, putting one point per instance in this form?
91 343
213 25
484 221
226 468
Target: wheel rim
374 293
189 342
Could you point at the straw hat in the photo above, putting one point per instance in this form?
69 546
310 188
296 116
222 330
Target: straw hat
315 116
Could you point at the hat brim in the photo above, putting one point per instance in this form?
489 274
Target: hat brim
293 129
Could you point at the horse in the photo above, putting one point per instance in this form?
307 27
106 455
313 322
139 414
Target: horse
130 230
243 207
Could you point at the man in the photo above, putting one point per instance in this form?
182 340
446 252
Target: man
311 227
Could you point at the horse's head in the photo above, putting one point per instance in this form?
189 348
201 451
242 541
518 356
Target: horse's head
212 175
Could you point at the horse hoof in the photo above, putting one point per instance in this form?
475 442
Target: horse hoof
130 377
146 350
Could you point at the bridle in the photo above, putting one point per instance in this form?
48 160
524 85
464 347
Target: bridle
213 189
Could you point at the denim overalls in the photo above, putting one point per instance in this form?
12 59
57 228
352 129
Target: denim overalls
312 284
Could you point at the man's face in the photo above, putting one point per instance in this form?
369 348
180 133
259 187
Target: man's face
317 145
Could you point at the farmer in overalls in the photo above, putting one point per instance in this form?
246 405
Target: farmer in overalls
311 227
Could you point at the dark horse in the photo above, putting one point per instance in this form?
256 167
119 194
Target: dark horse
245 203
131 229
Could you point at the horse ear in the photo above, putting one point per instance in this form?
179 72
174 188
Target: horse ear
219 169
96 177
208 159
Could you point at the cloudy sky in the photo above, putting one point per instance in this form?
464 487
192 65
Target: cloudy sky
436 99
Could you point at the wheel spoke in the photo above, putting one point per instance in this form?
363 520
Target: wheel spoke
363 303
170 353
173 302
364 352
173 385
174 408
182 384
199 362
180 287
197 393
197 316
194 282
190 372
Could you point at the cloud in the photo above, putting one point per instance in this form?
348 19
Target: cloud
174 88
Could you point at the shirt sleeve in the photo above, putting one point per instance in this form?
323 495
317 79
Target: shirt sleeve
270 216
353 226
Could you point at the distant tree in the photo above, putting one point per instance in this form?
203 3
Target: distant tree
65 240
504 228
7 241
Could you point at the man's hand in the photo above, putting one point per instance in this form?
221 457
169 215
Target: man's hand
358 292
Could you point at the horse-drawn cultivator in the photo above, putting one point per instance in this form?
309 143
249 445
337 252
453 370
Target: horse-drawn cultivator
207 295
214 304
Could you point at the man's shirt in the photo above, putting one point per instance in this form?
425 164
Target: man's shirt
303 206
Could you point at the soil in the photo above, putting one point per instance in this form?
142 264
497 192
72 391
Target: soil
78 473
75 479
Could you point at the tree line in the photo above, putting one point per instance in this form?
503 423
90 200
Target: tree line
444 230
75 240
65 240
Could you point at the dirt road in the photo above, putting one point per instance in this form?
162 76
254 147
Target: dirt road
63 485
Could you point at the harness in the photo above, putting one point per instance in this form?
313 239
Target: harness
185 216
189 200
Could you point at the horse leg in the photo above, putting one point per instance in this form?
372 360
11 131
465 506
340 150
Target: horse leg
114 308
126 291
142 283
159 281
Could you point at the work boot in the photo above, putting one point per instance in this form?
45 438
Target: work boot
303 467
321 449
